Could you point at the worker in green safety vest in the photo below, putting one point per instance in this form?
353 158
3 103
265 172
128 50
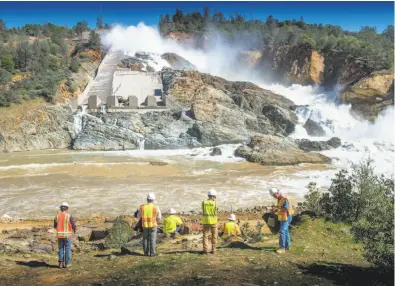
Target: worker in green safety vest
209 220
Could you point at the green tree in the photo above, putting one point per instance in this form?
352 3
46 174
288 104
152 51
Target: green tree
74 65
5 76
3 27
99 22
81 27
7 63
94 42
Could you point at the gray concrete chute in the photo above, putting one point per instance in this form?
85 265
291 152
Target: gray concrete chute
102 84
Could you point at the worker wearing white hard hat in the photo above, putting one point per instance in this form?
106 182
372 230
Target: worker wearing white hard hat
65 226
284 213
150 216
231 228
172 224
209 220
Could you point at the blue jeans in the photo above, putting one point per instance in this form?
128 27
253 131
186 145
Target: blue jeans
64 250
149 241
285 238
178 229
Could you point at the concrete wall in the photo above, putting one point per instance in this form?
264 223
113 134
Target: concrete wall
139 84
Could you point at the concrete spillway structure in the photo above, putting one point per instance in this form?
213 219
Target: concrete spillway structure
145 86
102 84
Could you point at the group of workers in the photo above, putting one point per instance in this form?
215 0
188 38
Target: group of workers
150 215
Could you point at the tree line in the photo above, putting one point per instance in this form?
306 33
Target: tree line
42 56
376 48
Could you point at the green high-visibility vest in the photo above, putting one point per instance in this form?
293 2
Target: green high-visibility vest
210 212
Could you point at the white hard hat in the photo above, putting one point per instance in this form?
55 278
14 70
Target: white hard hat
64 204
232 217
172 211
151 196
273 191
212 192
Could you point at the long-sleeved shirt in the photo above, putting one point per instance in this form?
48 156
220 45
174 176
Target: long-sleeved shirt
72 221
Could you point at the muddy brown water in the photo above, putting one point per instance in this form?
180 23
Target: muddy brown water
33 184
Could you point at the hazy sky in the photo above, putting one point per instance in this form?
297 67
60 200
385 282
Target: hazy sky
349 15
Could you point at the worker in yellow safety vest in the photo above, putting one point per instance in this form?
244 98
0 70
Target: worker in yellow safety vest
209 220
284 214
64 224
150 215
172 224
231 228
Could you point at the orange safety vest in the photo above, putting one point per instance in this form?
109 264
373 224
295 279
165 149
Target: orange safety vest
64 228
149 213
282 214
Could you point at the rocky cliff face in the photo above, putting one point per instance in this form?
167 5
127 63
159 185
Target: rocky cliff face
36 126
210 111
296 64
371 94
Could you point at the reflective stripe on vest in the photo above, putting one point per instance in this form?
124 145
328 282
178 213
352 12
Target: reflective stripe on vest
210 212
149 213
64 228
282 214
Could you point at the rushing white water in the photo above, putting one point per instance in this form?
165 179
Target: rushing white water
360 139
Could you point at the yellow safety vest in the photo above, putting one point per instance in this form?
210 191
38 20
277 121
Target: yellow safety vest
170 223
231 228
149 213
210 212
282 214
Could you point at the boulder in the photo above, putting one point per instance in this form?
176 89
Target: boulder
313 128
84 234
272 150
371 94
216 152
308 145
177 62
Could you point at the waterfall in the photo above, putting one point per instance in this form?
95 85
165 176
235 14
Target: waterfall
78 119
141 143
103 109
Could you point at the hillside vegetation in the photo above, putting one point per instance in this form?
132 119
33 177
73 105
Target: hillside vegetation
35 59
376 48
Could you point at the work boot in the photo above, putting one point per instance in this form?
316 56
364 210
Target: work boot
68 265
212 252
280 251
61 264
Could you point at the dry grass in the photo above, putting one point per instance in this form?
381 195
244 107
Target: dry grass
32 111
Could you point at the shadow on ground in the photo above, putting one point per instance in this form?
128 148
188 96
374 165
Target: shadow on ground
35 264
346 274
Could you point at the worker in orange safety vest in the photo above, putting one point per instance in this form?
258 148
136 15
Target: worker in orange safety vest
65 226
150 216
284 214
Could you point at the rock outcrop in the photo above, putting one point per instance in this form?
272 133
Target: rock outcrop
313 128
308 145
177 62
209 111
295 64
36 126
271 150
371 94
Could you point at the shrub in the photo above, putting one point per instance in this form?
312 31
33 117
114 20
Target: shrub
5 76
74 65
365 200
119 234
